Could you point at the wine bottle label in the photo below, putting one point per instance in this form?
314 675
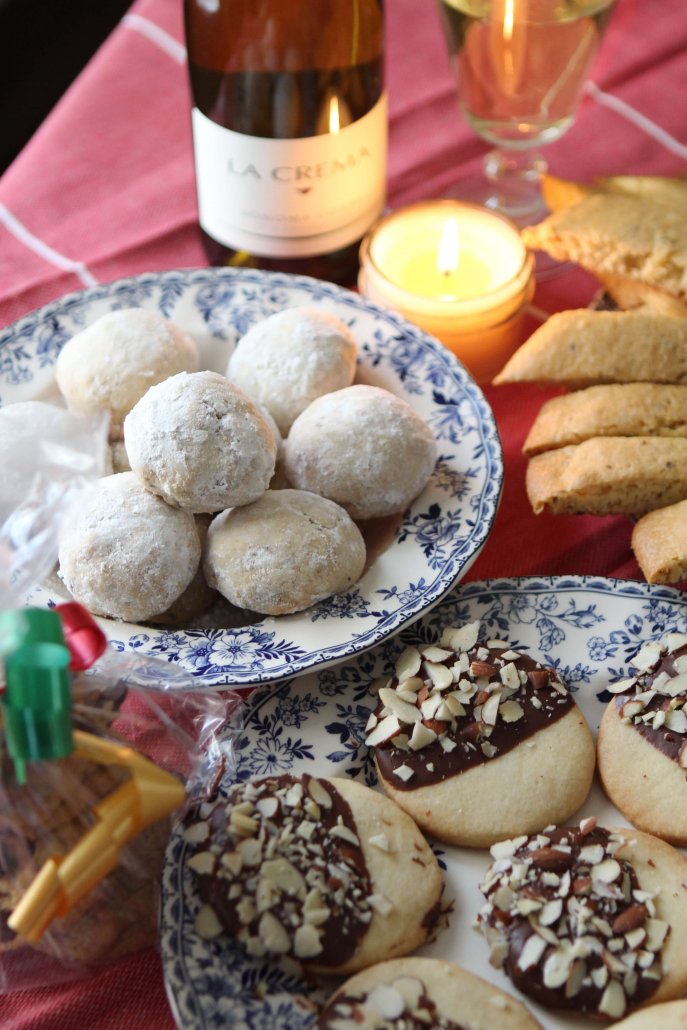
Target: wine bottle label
290 197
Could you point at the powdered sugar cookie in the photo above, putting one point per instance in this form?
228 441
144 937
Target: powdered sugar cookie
588 919
362 447
126 553
110 365
284 552
422 992
326 871
478 742
642 743
200 443
287 360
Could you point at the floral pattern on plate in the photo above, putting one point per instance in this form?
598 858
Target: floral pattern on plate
440 535
588 628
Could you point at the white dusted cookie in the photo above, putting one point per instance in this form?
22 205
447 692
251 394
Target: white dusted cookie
126 553
364 448
284 552
671 1015
427 992
478 742
288 359
200 443
109 365
642 742
588 919
326 871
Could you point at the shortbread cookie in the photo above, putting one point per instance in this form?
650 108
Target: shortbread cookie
671 1015
200 443
110 365
584 348
623 409
588 919
284 552
659 542
405 993
362 447
642 744
326 871
126 553
287 360
628 236
609 475
462 727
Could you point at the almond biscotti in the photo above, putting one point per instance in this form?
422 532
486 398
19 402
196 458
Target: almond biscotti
621 409
584 348
659 542
628 236
631 295
609 476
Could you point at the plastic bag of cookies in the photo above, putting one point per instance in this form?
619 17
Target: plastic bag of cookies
92 765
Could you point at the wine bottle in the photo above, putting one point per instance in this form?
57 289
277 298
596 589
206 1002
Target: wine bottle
289 130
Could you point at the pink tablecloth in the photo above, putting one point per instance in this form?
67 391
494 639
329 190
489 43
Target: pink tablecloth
105 189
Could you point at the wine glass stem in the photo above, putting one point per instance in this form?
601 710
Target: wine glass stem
514 177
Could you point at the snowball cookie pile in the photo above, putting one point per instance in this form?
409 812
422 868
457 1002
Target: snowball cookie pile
284 552
200 443
362 447
110 365
127 554
287 360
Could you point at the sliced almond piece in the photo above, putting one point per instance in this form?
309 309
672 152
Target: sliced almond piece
408 663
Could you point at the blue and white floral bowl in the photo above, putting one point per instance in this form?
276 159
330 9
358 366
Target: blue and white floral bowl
440 535
587 628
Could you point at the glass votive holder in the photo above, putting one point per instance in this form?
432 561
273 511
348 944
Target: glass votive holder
459 271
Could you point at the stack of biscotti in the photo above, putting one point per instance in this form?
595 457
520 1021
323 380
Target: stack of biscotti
617 443
629 231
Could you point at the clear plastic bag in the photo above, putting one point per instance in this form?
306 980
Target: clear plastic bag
49 459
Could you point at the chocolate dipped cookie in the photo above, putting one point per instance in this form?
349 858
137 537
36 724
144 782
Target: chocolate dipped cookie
325 871
422 993
587 919
478 741
642 743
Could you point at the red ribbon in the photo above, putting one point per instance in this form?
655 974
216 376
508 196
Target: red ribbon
82 635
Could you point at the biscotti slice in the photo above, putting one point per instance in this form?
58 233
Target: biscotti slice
622 409
631 295
622 235
609 475
659 541
585 348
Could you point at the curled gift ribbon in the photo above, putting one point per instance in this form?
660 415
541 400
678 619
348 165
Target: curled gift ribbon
82 635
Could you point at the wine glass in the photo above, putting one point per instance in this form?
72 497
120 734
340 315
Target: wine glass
520 68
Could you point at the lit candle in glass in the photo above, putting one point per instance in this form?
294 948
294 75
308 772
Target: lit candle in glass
459 271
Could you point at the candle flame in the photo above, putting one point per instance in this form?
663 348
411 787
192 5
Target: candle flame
449 248
334 115
508 19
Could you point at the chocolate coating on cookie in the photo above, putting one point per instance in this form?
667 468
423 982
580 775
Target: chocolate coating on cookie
568 920
456 705
653 702
280 866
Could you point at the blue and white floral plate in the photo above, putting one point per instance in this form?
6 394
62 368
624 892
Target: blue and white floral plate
440 535
585 627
